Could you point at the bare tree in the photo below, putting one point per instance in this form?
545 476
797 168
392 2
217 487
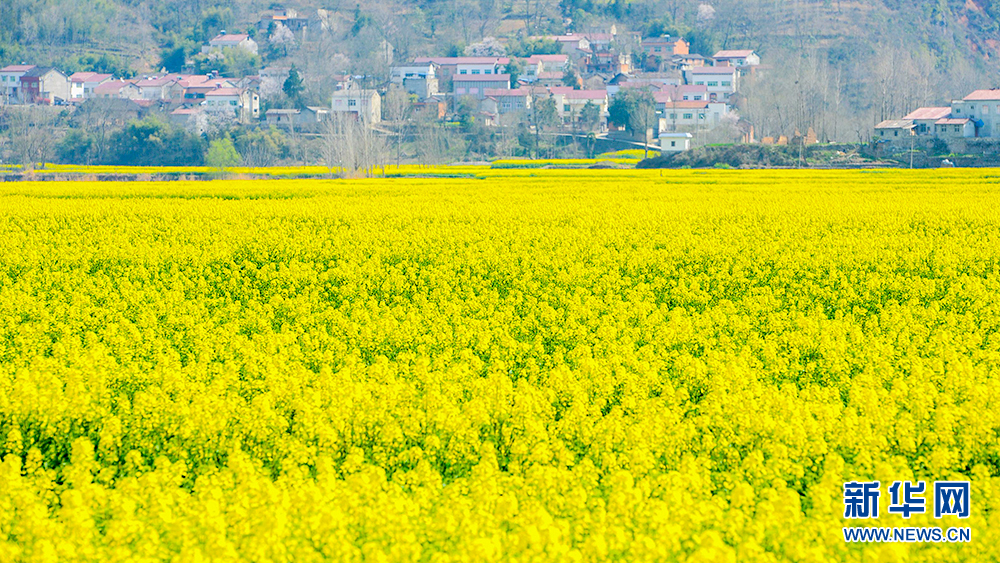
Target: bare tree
397 109
352 145
30 128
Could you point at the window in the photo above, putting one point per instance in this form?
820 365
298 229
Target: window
489 71
958 129
462 71
895 133
726 83
232 102
958 110
701 116
696 98
352 103
657 49
475 71
673 143
700 83
713 83
687 116
673 116
986 110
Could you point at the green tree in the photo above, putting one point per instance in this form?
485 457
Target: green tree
634 109
514 68
152 142
572 79
75 147
590 116
293 85
222 154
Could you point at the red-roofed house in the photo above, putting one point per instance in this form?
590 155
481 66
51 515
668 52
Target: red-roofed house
82 84
737 57
983 108
924 118
950 127
691 115
237 103
225 41
538 64
116 89
507 100
454 66
10 81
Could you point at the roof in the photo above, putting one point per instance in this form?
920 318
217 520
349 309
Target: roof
571 38
111 87
17 68
154 81
661 40
186 111
949 121
733 54
687 104
573 94
230 38
281 112
225 92
895 124
462 60
37 71
550 75
677 135
928 113
533 59
520 92
481 78
89 77
977 95
712 70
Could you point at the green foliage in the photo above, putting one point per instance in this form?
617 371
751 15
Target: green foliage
572 79
75 147
633 108
293 86
590 116
230 62
222 154
152 142
514 68
528 47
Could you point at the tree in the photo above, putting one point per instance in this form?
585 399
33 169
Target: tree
30 128
514 68
352 145
152 142
572 79
222 154
293 85
590 116
396 105
281 38
635 109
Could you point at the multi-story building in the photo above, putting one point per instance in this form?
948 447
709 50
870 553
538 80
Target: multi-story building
364 104
476 85
720 81
237 103
224 41
83 84
10 82
44 85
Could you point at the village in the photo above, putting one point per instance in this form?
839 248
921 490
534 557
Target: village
569 92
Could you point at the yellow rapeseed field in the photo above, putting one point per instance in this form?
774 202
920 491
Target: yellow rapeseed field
532 365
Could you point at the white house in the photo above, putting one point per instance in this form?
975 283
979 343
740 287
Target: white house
720 81
82 84
982 108
691 115
570 102
10 82
507 100
224 41
952 127
924 118
537 64
895 130
675 142
366 105
416 78
476 86
237 103
737 57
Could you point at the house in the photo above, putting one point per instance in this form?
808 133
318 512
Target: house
675 142
10 82
691 115
159 87
224 41
307 118
570 102
475 86
549 79
195 87
952 127
737 57
116 89
433 107
924 118
448 67
509 101
44 85
573 45
82 84
982 107
690 60
537 64
682 93
418 79
895 129
665 47
193 119
611 62
721 81
364 104
236 103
